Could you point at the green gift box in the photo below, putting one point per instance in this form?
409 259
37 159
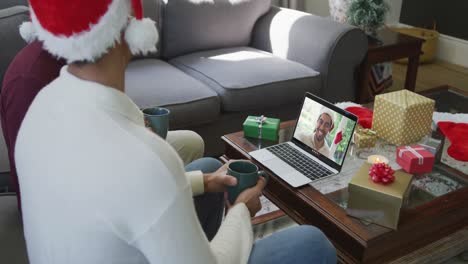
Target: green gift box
261 127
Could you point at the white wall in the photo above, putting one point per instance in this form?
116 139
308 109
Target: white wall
317 7
453 50
276 2
395 11
320 7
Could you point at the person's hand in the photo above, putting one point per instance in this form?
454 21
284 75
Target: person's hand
251 197
218 180
148 125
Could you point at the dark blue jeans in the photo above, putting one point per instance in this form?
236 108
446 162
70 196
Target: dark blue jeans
300 244
209 206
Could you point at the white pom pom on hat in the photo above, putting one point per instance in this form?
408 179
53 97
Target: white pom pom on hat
141 33
87 29
27 32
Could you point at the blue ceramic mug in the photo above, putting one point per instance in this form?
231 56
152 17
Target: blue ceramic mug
246 174
157 118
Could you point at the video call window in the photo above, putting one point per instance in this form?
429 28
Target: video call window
324 130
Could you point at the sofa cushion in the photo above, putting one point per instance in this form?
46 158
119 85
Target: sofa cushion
153 82
250 79
11 3
11 42
190 25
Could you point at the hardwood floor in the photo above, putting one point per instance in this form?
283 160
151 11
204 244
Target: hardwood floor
432 75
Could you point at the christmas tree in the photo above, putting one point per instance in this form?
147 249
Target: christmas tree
369 15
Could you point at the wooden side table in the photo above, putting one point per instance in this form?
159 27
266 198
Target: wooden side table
393 46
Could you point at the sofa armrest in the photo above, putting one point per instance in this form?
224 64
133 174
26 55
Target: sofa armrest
4 161
331 48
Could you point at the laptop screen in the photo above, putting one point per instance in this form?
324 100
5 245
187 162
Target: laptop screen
327 132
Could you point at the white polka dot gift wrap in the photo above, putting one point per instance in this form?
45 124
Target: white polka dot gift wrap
402 117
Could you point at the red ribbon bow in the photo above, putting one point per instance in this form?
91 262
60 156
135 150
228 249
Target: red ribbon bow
381 173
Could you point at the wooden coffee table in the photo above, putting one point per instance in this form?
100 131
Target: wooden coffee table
425 219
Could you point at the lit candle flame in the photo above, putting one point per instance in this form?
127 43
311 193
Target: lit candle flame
373 159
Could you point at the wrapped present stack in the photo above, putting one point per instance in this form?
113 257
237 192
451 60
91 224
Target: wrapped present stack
364 138
261 127
402 117
376 202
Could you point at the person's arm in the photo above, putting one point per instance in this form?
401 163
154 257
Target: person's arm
195 178
162 223
234 239
210 182
177 237
237 219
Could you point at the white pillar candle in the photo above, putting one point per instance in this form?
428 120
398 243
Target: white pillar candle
377 159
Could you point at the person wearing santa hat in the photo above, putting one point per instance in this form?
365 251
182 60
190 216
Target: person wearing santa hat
31 70
111 191
316 139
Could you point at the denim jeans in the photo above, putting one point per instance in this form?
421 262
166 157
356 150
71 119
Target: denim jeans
299 244
209 206
295 245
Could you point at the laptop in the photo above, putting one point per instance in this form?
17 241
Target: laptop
318 147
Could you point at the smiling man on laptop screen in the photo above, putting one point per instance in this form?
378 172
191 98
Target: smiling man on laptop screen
329 133
316 138
318 148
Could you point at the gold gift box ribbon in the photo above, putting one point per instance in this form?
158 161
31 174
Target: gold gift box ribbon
366 132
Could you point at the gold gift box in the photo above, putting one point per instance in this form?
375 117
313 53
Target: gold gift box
377 203
364 138
402 117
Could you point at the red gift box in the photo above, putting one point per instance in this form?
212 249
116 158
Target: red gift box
415 159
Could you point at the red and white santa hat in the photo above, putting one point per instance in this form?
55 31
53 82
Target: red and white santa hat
84 30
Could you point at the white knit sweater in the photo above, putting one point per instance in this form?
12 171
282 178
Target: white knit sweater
98 187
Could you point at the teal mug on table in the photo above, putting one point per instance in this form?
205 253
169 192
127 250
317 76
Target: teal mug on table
157 118
246 174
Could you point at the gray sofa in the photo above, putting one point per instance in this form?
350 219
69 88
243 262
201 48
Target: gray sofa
216 64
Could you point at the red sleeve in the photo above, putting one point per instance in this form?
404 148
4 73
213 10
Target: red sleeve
17 96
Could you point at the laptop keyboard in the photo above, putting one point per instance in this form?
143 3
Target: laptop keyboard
296 159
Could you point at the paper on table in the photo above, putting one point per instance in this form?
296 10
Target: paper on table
267 206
